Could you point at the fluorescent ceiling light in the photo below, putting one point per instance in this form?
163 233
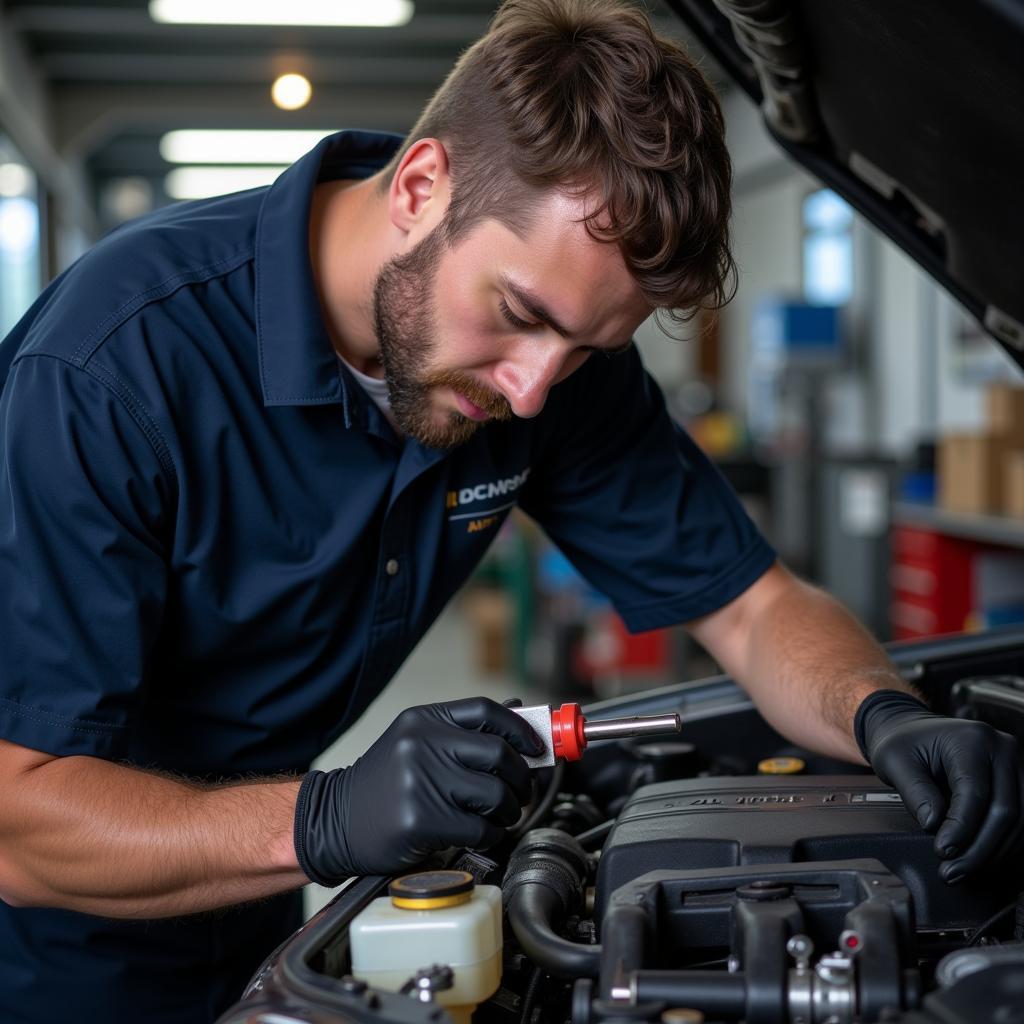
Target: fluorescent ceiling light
203 182
359 13
237 146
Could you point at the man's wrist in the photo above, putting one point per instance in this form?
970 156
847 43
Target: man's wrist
282 846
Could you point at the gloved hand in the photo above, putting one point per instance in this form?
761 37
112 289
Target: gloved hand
442 775
926 756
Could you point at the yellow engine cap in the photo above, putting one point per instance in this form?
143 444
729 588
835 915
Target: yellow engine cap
431 890
781 766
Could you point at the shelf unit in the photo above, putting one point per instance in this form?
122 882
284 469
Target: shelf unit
948 569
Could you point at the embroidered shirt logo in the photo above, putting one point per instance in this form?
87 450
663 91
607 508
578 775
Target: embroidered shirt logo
482 518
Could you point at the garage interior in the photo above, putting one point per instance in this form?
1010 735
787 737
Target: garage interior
873 429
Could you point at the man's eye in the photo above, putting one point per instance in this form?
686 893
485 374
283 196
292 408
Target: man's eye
514 320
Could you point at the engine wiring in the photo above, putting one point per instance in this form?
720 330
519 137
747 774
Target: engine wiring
979 933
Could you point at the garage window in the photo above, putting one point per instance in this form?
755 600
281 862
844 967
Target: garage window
20 261
828 249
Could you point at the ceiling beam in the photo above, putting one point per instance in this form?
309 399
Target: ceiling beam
49 23
86 117
134 23
364 71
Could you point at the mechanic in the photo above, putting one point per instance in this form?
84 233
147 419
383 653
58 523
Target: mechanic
252 445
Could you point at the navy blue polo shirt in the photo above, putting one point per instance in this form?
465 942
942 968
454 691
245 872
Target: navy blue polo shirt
215 551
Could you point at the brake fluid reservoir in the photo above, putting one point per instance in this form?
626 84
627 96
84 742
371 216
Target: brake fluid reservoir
435 917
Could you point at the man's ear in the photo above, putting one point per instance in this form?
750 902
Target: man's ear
419 192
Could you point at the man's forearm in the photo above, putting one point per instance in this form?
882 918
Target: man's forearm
804 659
812 664
87 835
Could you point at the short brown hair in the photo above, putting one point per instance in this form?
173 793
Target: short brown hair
583 95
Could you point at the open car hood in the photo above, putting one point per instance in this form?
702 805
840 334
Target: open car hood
912 111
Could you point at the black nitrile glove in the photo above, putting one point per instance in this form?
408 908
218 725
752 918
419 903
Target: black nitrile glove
442 775
962 775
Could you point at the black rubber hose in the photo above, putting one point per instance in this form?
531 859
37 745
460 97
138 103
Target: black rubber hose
717 994
623 932
532 911
540 810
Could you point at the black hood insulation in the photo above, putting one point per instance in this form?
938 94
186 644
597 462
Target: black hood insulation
912 111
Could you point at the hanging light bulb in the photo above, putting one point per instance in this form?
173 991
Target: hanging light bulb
291 91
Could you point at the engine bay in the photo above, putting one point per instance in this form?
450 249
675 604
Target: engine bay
721 876
754 898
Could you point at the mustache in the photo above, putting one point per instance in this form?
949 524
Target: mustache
494 404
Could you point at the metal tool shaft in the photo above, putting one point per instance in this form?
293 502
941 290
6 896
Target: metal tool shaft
619 728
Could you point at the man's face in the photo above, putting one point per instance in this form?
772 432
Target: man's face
482 330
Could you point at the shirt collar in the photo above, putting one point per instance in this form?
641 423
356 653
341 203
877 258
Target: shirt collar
298 365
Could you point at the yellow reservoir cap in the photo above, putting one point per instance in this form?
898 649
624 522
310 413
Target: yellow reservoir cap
430 903
781 766
431 890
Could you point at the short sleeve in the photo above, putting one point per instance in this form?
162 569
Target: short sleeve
635 505
83 496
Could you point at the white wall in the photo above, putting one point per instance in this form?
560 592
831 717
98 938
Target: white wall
766 235
670 358
927 381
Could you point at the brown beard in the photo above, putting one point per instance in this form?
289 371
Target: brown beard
404 316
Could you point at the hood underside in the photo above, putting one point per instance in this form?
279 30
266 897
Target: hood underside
913 111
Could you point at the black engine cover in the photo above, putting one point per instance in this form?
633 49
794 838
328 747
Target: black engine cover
730 821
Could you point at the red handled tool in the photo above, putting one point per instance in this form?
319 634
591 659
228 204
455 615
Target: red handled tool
566 732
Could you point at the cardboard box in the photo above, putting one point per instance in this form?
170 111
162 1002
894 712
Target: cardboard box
491 616
1013 483
971 473
1005 404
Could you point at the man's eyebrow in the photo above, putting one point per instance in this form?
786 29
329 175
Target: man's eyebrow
532 306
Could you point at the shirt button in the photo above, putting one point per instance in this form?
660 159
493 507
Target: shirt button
391 568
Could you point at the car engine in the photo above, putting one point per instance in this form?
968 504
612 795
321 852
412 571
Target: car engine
720 876
808 899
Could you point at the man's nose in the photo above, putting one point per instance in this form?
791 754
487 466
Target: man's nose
526 378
